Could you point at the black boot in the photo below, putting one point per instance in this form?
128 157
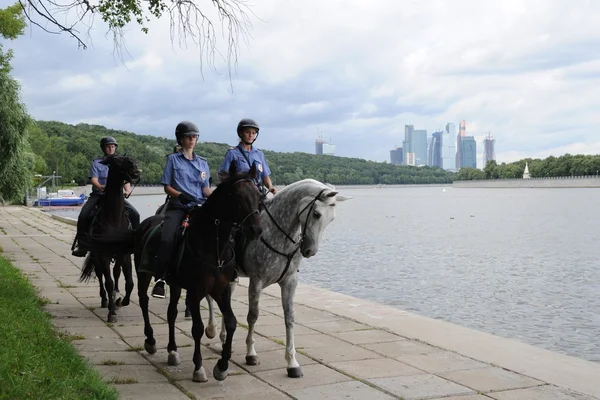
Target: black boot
158 290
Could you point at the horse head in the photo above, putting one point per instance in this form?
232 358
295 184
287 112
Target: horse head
315 214
236 199
124 166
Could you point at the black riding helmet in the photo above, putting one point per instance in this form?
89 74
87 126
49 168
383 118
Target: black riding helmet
108 140
186 128
247 123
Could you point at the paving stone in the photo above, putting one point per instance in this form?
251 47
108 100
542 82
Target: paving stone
366 336
375 368
468 397
314 375
150 391
342 352
114 357
100 344
279 330
346 390
401 348
421 386
234 387
441 361
546 392
121 374
491 379
270 360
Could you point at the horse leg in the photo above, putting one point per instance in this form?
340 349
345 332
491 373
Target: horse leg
254 290
143 284
288 289
128 274
187 313
211 328
199 374
232 285
103 297
109 285
224 302
173 358
117 276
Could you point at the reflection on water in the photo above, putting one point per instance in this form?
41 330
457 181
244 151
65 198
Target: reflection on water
518 263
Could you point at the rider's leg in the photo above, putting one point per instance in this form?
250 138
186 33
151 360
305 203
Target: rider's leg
134 216
83 223
173 218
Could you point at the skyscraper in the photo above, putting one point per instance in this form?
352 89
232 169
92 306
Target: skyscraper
407 144
435 149
489 149
462 131
420 146
322 147
448 149
468 156
396 156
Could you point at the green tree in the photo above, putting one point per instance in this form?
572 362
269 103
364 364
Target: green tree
12 24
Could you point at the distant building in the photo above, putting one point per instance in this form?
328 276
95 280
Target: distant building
435 149
489 151
397 156
448 147
415 142
322 147
462 132
526 172
468 155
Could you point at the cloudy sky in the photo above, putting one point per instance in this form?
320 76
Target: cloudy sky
355 71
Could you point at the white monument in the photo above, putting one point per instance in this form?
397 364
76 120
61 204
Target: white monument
526 172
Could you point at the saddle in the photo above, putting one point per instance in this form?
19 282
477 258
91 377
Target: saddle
85 238
149 260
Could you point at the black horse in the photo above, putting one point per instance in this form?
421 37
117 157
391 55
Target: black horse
111 220
204 263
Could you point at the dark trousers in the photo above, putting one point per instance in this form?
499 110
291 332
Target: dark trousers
173 218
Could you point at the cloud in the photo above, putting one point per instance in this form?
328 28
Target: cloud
354 70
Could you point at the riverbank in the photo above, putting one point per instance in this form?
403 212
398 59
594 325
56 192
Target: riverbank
348 347
532 183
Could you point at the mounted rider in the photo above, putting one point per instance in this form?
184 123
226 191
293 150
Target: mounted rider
98 175
245 154
186 180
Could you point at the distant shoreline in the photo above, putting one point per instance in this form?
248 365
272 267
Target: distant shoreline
532 183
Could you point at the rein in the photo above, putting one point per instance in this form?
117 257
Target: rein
297 244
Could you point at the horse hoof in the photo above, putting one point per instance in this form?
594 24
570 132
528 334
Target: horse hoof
252 360
199 375
150 348
188 314
218 374
112 318
104 304
210 332
118 302
295 372
173 358
125 302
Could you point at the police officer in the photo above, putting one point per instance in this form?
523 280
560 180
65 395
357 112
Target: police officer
186 182
98 175
245 154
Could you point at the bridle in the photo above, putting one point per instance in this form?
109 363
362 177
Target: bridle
297 243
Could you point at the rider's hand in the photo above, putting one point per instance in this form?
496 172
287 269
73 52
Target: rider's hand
185 198
273 189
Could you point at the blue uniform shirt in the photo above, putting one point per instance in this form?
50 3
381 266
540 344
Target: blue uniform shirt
255 156
99 171
187 176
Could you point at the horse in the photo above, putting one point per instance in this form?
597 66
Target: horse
111 219
206 263
293 222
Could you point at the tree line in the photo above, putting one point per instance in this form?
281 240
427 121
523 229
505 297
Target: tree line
67 150
550 167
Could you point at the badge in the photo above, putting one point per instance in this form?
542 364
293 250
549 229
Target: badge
259 166
203 175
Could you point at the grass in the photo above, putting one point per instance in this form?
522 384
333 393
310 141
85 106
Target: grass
37 362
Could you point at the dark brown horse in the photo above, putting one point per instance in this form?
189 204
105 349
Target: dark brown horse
111 220
204 263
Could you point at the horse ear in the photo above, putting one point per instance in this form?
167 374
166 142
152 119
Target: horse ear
232 169
252 171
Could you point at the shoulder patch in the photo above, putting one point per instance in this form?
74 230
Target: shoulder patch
232 148
200 157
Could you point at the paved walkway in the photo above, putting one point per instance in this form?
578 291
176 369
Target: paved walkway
350 348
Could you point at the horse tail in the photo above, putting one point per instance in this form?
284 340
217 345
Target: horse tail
87 270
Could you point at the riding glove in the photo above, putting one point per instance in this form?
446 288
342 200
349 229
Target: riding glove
185 198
